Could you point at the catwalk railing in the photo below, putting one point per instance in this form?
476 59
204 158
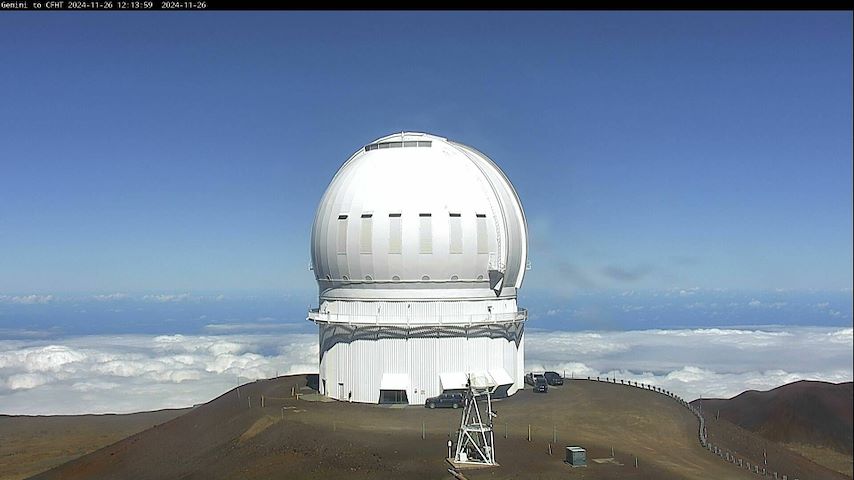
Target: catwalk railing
520 315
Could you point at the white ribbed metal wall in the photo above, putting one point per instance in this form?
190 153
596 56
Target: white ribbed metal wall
354 369
363 341
403 304
358 367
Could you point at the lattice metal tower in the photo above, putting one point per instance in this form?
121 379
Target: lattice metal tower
476 439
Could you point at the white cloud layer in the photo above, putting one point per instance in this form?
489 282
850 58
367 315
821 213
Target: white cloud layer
111 297
32 299
99 374
704 362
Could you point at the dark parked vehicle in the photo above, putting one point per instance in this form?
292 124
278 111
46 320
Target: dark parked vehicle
530 377
540 384
553 378
445 400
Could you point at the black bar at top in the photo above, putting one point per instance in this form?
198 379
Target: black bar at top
258 5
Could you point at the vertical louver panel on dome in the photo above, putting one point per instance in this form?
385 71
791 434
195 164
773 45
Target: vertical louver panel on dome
395 233
342 234
482 236
426 233
455 232
366 234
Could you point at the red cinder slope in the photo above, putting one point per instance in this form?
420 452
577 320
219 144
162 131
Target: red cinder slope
804 412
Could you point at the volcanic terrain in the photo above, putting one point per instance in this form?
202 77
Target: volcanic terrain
260 431
31 444
813 418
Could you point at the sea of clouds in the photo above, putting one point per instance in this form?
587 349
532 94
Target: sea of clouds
128 373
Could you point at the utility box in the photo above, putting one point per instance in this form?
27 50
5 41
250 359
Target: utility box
576 456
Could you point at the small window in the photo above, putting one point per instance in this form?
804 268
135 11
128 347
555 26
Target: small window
369 278
395 278
426 278
480 277
426 233
346 278
424 143
482 239
410 143
367 235
395 233
454 278
455 232
342 234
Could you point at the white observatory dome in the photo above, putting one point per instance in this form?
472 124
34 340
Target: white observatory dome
413 215
418 247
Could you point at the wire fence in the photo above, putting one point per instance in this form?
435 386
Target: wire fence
721 451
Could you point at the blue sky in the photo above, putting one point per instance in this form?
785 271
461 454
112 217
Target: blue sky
188 151
687 179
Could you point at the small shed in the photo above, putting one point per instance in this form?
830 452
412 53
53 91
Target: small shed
576 456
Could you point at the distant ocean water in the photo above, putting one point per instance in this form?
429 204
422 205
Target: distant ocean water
187 313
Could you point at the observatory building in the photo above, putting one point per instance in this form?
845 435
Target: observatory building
419 246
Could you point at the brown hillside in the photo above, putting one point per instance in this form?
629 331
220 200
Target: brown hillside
805 412
32 444
289 438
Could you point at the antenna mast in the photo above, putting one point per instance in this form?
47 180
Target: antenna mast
475 440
